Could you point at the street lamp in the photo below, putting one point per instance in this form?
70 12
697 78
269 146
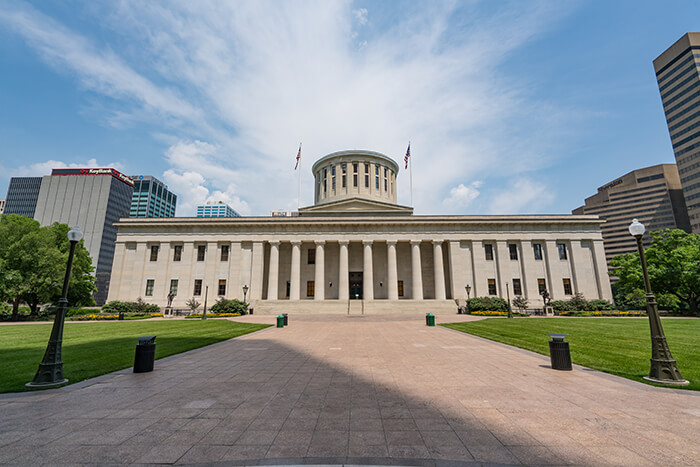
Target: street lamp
50 372
663 367
468 288
510 312
245 292
206 294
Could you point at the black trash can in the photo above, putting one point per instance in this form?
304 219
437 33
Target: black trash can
559 352
286 318
145 354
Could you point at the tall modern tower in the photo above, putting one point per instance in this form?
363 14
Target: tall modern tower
678 75
151 198
22 195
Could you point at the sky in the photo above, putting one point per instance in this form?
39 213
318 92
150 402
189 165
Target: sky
511 107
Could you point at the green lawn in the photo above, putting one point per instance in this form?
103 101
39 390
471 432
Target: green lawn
620 346
93 349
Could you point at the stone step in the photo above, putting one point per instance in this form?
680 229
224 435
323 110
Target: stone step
354 307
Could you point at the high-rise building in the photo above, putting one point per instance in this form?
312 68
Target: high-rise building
219 209
93 199
22 195
652 194
2 206
151 198
678 75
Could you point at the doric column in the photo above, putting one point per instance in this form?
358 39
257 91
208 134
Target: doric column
601 271
273 272
257 271
551 258
367 275
503 269
343 273
439 271
391 273
416 274
320 271
294 285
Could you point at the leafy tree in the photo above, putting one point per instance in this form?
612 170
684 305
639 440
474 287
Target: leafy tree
192 304
520 302
32 263
673 260
82 282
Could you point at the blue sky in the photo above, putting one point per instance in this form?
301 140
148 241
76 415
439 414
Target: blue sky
510 107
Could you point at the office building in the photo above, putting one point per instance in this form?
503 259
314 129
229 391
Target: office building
22 195
151 198
652 194
219 209
93 199
678 76
356 250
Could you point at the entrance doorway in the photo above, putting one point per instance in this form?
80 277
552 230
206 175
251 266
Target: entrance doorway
355 285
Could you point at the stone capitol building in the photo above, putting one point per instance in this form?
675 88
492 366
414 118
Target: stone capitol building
355 246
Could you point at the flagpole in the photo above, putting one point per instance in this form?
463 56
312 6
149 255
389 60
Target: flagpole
299 191
410 166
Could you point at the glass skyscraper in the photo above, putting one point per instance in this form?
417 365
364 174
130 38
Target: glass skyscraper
678 75
151 198
22 195
219 209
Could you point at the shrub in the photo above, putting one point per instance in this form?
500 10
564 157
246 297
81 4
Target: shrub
487 304
520 302
578 302
138 306
192 304
212 315
80 311
230 306
600 305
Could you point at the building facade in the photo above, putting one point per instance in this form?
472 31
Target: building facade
652 194
678 76
22 195
151 198
358 245
219 209
2 206
93 199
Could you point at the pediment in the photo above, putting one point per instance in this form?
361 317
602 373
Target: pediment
356 207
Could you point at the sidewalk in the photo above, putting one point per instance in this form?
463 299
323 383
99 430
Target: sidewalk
354 390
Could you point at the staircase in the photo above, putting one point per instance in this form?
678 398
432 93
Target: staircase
371 307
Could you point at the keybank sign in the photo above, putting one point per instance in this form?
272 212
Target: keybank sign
92 171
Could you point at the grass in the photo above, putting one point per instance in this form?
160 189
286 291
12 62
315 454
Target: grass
620 346
93 349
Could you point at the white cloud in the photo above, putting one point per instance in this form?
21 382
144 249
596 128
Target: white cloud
39 169
521 196
234 87
461 196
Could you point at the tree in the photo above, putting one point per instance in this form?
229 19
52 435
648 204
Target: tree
192 304
520 303
82 281
673 261
32 265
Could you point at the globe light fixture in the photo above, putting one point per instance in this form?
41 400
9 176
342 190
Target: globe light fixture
245 292
663 367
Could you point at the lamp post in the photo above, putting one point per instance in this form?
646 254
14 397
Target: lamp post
50 372
245 292
510 312
468 288
206 294
663 367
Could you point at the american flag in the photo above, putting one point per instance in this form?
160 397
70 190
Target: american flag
298 157
408 155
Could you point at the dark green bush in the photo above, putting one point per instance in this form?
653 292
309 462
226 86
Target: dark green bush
561 305
79 311
487 304
600 305
138 306
229 306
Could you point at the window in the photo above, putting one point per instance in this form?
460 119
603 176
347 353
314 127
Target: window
376 182
173 286
562 250
201 249
222 287
149 287
492 286
366 175
354 174
224 252
488 251
197 287
333 178
517 287
513 249
311 256
309 288
400 288
344 169
289 286
567 286
385 185
537 249
154 253
541 285
325 181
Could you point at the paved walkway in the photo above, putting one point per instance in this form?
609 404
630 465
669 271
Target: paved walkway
362 390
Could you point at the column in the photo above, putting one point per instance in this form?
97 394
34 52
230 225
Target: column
439 271
294 285
529 272
162 281
235 288
576 256
477 257
552 258
273 271
416 276
320 271
257 271
211 259
117 278
601 271
367 275
392 273
343 273
503 270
